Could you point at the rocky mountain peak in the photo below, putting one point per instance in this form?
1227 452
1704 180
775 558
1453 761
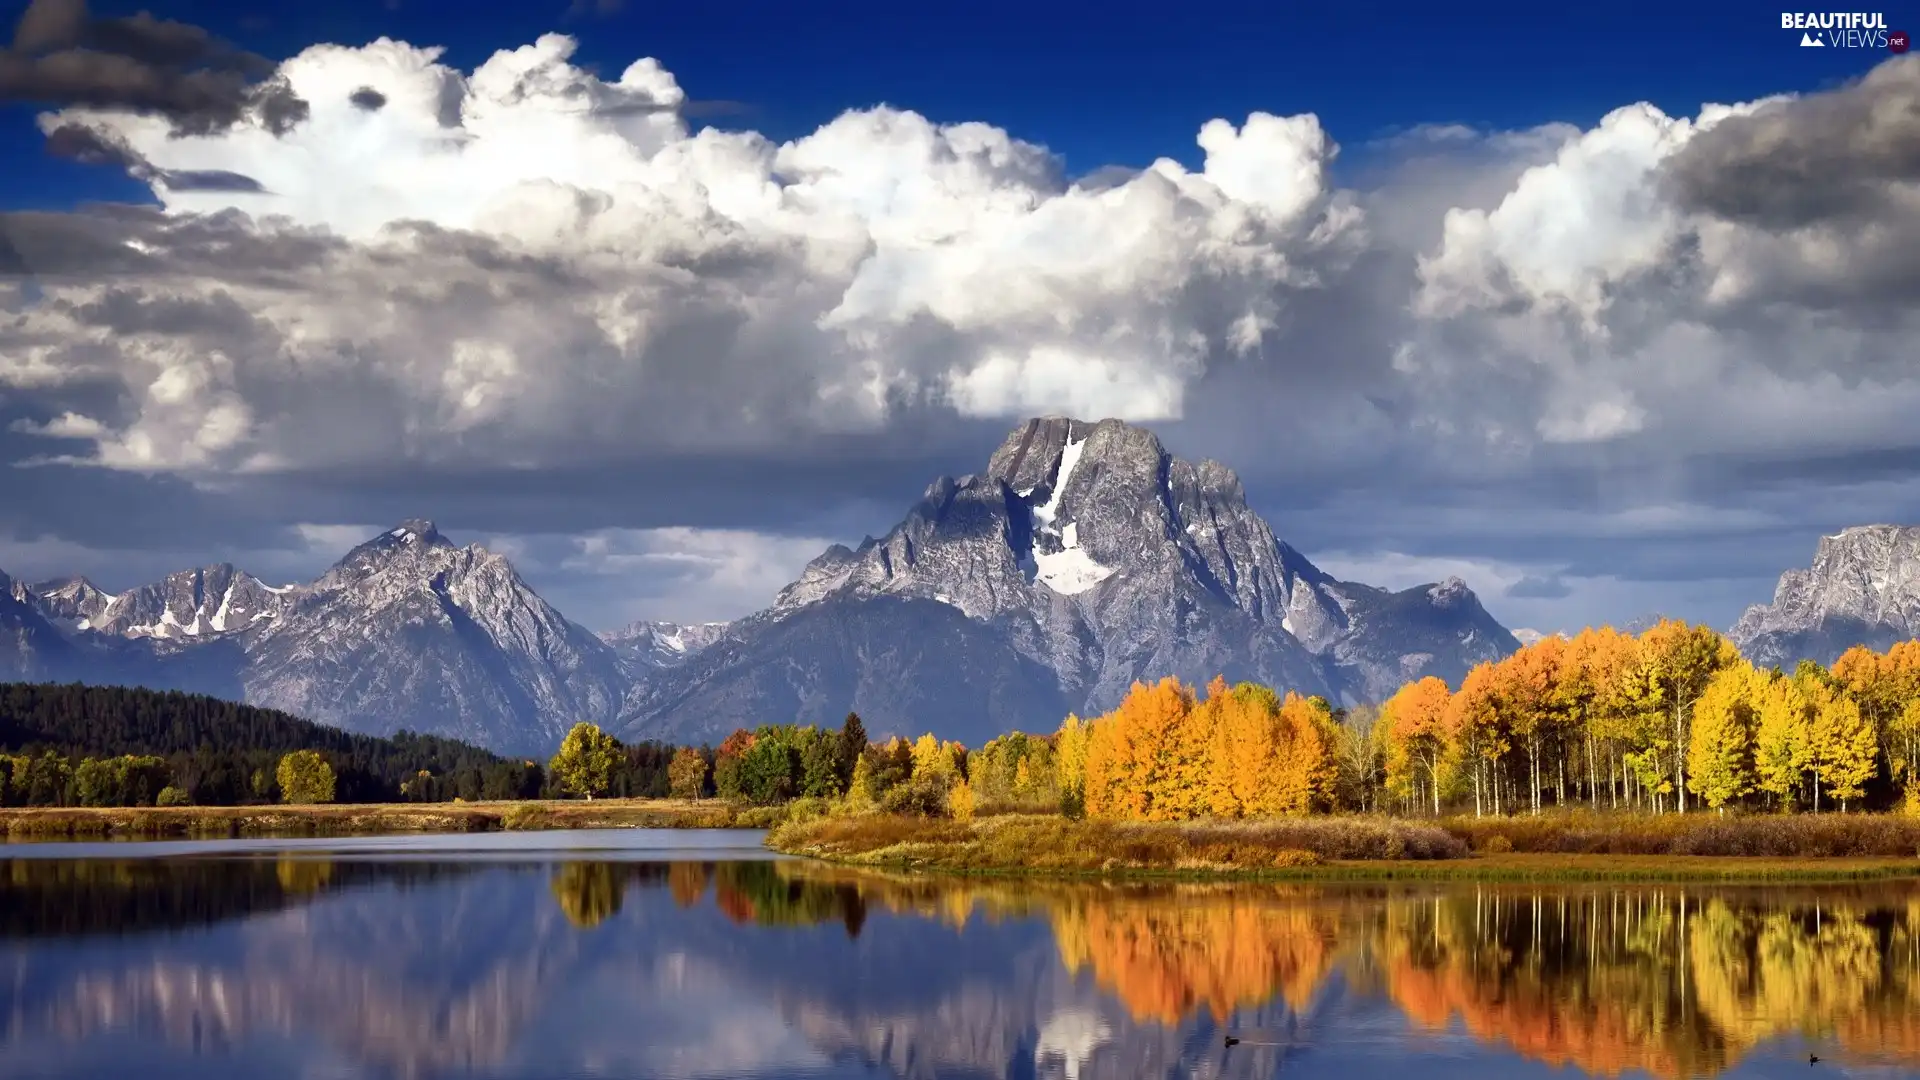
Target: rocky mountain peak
1088 552
1863 588
664 644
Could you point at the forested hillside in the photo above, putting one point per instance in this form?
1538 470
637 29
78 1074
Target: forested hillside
220 753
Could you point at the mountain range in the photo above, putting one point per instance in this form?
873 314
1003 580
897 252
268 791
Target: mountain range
1083 558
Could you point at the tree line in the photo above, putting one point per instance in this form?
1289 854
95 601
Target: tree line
1672 718
1669 719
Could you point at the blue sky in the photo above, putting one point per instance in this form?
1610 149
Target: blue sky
1098 84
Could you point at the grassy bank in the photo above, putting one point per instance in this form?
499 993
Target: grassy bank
214 822
1571 848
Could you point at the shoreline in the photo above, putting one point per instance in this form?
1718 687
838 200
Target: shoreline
1489 869
1326 849
29 824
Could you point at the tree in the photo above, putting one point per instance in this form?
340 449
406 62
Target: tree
726 763
1070 763
1242 757
1139 765
862 793
687 776
1781 749
769 770
853 745
1415 719
819 753
1720 757
305 777
586 760
1842 751
1678 661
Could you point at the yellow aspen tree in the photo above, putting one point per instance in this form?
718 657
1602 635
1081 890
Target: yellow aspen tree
1781 750
1678 661
1070 757
1842 751
930 758
1305 772
1720 756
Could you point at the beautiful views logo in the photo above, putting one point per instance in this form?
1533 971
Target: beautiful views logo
1844 30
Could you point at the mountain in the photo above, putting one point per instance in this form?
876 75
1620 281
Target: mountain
31 647
408 631
1862 589
1083 559
649 645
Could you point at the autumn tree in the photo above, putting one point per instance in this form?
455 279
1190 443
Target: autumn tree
1677 662
1415 718
687 775
1842 751
726 763
305 777
585 761
1141 762
1070 762
1477 743
1725 720
1887 688
1595 689
1781 744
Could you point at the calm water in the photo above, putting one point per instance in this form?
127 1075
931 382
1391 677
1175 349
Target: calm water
675 954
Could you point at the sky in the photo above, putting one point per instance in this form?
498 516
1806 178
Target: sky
1607 312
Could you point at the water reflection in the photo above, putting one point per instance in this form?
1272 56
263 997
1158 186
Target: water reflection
237 967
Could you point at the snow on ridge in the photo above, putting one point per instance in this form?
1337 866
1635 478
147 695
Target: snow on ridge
1069 571
219 620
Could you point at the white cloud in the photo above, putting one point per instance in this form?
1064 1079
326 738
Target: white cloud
612 275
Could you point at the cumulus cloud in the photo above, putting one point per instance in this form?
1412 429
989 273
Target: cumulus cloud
514 267
450 281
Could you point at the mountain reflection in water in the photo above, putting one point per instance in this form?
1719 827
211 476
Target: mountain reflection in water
313 966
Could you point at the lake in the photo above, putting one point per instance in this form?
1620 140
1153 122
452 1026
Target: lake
679 954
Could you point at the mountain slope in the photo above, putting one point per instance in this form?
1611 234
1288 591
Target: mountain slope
407 631
1862 589
410 630
1088 551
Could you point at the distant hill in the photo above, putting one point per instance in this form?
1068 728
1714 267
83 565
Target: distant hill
216 746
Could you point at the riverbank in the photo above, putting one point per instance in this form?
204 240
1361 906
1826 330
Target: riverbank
1572 848
213 822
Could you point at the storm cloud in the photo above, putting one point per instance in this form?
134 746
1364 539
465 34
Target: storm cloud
64 56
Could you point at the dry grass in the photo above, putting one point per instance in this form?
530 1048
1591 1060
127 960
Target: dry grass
1569 848
212 822
1032 843
1780 836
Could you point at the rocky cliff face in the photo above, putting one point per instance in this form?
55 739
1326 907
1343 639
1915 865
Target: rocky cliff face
1085 551
1862 589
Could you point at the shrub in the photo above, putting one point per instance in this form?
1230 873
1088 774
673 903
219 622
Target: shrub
1497 844
808 809
172 796
960 801
922 796
526 816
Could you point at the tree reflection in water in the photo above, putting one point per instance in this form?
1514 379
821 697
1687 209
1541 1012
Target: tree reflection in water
1675 981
